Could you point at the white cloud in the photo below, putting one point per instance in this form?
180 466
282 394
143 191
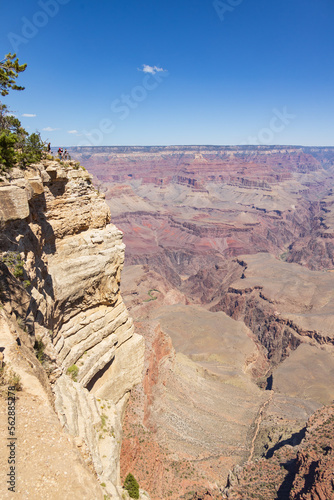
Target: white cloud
50 129
29 115
150 69
74 132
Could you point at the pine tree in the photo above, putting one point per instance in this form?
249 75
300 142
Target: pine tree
132 486
17 147
9 71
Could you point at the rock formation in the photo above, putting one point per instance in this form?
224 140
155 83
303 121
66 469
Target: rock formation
61 261
302 472
179 204
239 342
213 232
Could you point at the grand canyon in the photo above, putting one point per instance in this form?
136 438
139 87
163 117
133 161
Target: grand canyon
229 277
167 250
199 356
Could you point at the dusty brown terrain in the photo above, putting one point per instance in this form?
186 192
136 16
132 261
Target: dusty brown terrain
199 387
303 472
290 309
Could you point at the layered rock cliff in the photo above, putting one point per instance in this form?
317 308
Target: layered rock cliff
202 221
60 276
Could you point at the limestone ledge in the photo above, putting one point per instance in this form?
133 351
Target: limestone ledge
96 418
85 270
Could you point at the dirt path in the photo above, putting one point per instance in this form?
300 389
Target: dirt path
258 421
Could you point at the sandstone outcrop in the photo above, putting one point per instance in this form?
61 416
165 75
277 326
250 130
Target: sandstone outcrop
60 276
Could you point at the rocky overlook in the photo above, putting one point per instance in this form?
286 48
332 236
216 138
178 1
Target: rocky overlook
61 260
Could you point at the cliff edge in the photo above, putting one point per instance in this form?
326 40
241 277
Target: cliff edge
66 336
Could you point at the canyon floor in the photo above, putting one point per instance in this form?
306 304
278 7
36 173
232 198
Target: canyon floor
229 276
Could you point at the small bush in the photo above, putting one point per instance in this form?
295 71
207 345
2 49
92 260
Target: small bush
39 350
32 150
103 420
9 378
132 486
73 372
7 151
21 323
15 381
14 263
18 272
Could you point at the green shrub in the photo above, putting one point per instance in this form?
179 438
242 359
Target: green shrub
20 151
18 272
103 420
132 486
39 350
14 263
8 142
32 150
73 372
9 378
21 323
15 381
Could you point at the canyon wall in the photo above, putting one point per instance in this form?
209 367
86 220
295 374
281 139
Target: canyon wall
214 235
61 261
179 204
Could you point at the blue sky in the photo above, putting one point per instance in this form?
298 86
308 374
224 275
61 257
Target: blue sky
145 72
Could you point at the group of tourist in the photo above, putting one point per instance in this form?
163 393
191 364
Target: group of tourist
62 154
